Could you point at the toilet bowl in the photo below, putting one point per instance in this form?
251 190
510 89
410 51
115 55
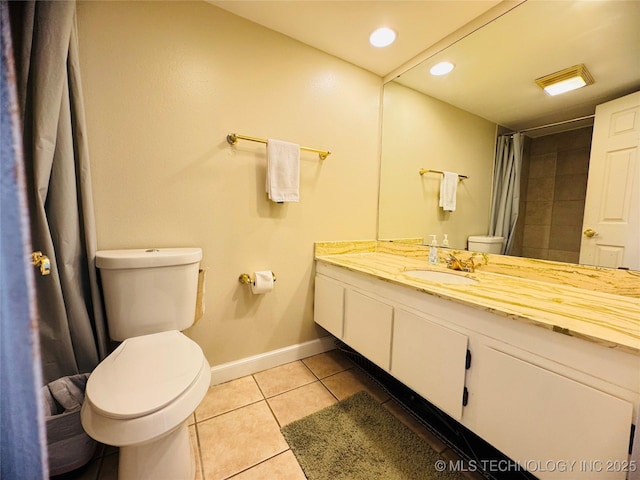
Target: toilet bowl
139 399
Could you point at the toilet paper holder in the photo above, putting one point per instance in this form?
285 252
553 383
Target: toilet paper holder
247 279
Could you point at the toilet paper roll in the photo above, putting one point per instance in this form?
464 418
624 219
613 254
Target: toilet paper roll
263 282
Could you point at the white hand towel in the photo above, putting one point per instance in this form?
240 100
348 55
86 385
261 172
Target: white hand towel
448 191
283 171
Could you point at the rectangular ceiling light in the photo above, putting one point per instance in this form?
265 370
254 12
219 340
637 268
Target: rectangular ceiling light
565 80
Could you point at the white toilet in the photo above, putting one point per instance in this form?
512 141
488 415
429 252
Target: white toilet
140 397
485 244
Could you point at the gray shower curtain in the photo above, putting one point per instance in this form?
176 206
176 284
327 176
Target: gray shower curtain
505 199
73 335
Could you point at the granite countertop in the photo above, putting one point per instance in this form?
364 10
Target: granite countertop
557 303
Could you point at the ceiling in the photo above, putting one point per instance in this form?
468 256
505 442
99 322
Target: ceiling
496 65
342 28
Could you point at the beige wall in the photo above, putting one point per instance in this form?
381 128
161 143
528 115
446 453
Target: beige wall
422 132
164 83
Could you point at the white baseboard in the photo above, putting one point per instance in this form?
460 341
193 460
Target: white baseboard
257 363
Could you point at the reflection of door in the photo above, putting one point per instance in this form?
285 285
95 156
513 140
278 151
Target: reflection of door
611 224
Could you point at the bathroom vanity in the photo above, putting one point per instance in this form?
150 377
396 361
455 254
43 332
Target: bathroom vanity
545 371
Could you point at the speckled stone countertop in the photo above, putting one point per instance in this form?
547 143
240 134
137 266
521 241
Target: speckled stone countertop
599 305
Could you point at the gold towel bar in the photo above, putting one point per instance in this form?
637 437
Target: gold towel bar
426 170
233 138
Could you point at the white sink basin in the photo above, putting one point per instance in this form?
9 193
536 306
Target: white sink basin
440 277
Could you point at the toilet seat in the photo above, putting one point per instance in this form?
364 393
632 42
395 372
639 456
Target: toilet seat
144 374
137 430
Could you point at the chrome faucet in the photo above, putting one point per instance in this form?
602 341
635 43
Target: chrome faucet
467 265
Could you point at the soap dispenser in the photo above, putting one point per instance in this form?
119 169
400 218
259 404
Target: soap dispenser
433 251
445 241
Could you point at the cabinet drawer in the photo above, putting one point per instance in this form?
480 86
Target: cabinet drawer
328 309
367 327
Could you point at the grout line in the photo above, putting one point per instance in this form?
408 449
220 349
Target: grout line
291 389
199 451
328 389
273 415
253 377
226 411
259 463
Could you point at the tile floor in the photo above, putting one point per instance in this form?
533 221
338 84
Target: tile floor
236 428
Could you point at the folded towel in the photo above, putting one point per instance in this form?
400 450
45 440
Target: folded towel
283 171
448 190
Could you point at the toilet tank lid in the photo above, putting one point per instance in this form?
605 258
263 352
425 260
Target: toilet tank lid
485 239
147 257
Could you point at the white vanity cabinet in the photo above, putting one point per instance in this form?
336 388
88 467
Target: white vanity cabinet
328 307
545 420
367 327
561 406
430 359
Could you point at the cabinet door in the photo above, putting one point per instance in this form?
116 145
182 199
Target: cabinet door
367 327
430 359
541 419
328 307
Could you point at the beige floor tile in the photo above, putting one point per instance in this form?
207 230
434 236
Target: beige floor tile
299 403
281 467
228 396
328 363
350 382
193 438
235 441
408 419
284 378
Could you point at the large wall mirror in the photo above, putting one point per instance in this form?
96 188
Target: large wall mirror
450 123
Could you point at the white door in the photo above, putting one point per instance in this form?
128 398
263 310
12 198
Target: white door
611 224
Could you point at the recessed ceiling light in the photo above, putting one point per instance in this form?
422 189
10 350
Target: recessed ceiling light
382 37
441 68
565 80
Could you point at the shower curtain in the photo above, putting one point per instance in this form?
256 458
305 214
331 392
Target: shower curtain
22 434
73 334
505 199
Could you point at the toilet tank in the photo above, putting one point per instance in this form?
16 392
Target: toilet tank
149 290
485 244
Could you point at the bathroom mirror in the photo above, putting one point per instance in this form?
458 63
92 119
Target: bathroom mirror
451 122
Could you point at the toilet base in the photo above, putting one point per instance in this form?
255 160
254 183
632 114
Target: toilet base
168 457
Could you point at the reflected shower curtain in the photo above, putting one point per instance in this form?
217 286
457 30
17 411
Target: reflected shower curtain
505 199
72 329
